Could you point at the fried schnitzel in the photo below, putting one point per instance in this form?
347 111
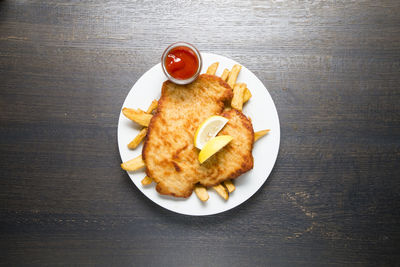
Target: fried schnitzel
169 153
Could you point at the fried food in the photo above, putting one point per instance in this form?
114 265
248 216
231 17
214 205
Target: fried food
152 106
136 141
221 190
212 69
237 100
233 74
146 180
229 185
235 158
225 74
169 153
259 134
246 95
231 81
201 192
137 115
133 164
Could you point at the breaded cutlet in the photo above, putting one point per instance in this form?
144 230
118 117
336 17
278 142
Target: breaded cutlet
169 153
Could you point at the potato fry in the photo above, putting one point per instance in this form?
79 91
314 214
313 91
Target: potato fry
153 106
237 100
225 75
233 74
146 180
229 185
221 191
138 139
133 164
246 95
201 192
138 116
142 134
212 69
259 134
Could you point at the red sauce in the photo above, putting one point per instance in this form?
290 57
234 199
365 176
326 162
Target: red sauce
181 62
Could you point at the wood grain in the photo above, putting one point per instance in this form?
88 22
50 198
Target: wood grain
332 68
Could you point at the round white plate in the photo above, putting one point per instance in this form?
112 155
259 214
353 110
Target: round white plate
260 108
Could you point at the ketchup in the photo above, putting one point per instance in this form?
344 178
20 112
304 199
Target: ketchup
181 62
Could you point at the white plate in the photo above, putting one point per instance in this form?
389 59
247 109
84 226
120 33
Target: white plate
262 112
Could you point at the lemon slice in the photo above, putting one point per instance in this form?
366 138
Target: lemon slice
213 146
208 129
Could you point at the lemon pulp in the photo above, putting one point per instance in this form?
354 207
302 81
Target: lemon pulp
213 146
208 130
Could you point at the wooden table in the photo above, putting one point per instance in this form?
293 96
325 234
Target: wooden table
332 68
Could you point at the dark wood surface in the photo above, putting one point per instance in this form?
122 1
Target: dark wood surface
332 68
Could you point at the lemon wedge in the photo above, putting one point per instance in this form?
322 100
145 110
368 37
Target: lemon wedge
208 129
213 146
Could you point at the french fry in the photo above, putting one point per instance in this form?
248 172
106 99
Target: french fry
146 180
138 116
201 192
237 100
133 164
259 134
212 69
136 141
225 75
246 95
142 134
233 74
221 191
153 106
229 185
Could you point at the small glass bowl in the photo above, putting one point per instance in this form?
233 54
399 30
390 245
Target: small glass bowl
180 81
